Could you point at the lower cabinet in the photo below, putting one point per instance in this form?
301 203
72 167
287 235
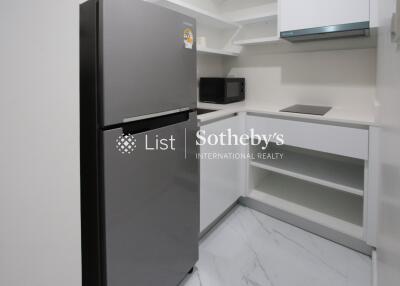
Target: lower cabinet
221 170
319 180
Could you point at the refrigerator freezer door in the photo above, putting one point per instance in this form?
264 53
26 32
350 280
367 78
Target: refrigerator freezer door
151 201
147 68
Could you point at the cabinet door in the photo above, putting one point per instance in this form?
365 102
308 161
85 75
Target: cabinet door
305 14
221 180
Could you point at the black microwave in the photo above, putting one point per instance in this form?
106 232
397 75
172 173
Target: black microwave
221 90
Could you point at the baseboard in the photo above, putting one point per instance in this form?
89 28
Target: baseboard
218 221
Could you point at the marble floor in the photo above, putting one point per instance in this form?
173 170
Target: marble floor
250 248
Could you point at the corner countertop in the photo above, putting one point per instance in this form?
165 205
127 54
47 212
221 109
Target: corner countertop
336 115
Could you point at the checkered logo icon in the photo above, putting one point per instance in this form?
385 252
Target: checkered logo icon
126 144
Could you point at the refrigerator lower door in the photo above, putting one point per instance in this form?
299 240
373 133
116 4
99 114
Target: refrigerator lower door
151 201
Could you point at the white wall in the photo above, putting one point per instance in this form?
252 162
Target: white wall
388 251
209 65
345 78
39 145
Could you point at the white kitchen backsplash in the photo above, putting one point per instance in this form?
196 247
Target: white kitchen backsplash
343 78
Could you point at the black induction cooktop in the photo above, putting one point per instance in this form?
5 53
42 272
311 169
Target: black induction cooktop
307 109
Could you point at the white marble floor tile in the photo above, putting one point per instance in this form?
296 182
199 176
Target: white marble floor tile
250 248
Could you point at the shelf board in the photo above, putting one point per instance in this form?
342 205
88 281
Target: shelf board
274 39
254 14
262 17
201 15
346 176
339 211
223 52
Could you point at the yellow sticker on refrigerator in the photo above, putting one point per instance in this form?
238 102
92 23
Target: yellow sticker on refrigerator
188 38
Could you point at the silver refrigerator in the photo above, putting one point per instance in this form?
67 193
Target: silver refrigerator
139 172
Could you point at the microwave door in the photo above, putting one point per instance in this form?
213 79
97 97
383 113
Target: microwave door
233 89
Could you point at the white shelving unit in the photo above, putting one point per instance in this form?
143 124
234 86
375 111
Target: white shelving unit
341 173
339 211
262 17
224 52
255 41
203 16
211 25
219 41
228 25
311 181
322 188
259 13
259 24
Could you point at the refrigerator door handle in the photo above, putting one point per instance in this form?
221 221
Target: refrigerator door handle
153 123
154 115
395 25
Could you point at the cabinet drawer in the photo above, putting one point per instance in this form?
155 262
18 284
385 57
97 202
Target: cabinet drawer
345 141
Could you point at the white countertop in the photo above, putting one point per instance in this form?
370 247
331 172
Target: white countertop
335 115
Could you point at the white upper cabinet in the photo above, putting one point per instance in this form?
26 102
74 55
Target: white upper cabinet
305 14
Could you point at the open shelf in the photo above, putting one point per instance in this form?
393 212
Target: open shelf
336 210
257 41
201 15
256 18
337 172
254 14
226 24
257 33
216 42
224 52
